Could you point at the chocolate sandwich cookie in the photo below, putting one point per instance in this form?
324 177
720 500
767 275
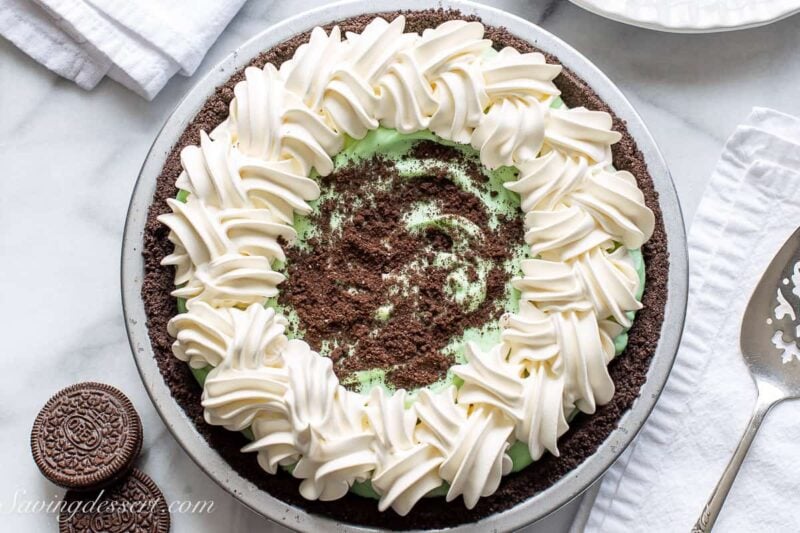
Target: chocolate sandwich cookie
86 436
132 505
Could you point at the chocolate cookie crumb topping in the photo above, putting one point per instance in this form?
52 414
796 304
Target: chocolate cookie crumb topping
382 294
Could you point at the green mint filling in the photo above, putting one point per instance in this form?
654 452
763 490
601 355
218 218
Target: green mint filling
498 200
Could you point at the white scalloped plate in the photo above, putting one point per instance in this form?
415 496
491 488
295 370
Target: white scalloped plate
693 16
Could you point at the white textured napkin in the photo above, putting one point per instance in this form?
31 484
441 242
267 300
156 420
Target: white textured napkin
139 43
661 483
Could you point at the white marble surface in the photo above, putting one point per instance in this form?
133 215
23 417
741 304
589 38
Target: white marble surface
69 160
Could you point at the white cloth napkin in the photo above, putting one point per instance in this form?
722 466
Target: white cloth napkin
139 43
661 483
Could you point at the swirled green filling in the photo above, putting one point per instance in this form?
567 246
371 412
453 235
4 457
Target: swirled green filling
465 290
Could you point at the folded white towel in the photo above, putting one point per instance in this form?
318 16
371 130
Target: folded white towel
751 206
139 43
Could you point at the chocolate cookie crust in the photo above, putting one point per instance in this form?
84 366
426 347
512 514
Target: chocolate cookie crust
586 432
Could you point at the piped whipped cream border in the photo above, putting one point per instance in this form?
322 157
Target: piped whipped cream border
248 179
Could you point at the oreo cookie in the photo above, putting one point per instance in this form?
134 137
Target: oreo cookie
132 505
86 436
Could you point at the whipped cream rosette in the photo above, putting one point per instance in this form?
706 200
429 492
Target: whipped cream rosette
245 183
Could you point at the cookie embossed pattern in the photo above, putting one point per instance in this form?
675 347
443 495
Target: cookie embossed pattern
249 178
86 436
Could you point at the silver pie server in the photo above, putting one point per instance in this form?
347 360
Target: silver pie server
769 334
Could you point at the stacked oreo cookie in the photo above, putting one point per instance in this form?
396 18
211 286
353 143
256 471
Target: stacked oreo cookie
86 439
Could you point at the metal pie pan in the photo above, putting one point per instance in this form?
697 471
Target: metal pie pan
540 505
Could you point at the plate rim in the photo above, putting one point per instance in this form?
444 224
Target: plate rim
183 430
713 25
